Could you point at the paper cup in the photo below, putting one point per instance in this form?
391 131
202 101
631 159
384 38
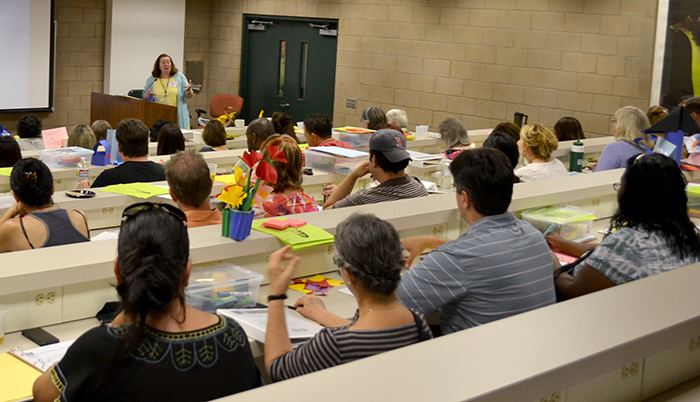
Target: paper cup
239 123
3 318
421 131
300 124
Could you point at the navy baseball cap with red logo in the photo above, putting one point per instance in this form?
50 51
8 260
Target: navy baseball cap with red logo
391 143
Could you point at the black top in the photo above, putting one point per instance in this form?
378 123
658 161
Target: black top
130 172
191 366
60 229
206 149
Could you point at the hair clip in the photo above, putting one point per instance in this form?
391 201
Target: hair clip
30 176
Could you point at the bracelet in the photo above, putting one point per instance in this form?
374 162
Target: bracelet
276 297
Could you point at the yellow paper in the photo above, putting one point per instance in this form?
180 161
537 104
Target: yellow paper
16 378
226 178
139 190
299 287
334 282
5 171
317 278
694 190
303 146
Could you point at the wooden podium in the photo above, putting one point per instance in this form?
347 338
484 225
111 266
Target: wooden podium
116 108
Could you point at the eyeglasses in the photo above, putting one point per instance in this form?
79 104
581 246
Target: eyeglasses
616 186
135 209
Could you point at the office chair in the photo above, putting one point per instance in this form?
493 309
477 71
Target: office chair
221 104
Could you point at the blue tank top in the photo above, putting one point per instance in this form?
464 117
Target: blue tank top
59 228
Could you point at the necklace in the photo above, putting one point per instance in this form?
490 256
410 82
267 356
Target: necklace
376 309
165 86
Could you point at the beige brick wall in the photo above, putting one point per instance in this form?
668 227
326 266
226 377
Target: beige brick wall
479 61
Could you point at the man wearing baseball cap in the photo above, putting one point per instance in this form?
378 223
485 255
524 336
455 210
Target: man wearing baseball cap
388 159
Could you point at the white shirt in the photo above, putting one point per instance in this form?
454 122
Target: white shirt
542 171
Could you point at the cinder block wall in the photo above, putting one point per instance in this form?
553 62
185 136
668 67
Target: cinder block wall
477 60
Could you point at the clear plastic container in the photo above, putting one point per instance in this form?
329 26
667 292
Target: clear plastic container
64 157
572 223
223 286
358 141
331 163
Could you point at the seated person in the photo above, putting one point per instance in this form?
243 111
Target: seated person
99 128
132 137
283 124
373 118
155 129
507 145
214 136
508 127
190 185
536 145
9 151
81 136
388 159
287 197
499 267
140 355
257 132
569 129
397 117
318 130
34 221
368 255
170 140
650 231
628 123
656 113
454 135
29 133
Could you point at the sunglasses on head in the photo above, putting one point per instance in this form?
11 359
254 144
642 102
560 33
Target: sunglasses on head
135 209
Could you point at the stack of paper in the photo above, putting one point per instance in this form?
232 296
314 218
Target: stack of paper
16 378
354 130
299 238
254 323
6 171
139 190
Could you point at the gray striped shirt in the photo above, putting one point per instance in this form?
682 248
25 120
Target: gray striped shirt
391 190
334 346
499 267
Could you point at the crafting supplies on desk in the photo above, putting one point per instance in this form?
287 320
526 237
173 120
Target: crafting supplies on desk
254 322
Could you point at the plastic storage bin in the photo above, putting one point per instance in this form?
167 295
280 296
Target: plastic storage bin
223 286
317 158
64 157
358 141
570 222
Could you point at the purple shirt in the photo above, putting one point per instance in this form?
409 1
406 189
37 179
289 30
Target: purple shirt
616 154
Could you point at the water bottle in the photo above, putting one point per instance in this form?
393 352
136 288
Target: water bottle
83 171
576 159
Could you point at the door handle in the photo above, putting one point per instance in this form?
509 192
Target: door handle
284 104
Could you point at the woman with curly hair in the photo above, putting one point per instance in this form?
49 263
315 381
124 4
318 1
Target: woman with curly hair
650 232
536 145
368 254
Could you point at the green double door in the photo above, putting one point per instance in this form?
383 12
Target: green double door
288 65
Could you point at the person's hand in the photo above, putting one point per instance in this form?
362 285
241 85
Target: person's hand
361 170
83 184
189 86
555 240
279 276
310 307
415 247
329 189
148 95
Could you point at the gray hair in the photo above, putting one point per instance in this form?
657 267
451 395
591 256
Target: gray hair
398 117
453 133
370 249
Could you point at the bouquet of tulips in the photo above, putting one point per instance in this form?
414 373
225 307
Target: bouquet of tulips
245 190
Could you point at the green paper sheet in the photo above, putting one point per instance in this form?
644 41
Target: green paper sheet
5 171
139 190
299 238
694 190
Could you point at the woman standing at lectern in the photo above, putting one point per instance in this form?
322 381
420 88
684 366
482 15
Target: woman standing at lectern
169 86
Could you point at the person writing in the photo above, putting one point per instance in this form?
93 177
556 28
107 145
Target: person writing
169 86
34 221
368 254
158 348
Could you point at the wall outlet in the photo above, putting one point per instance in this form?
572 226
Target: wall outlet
45 306
349 102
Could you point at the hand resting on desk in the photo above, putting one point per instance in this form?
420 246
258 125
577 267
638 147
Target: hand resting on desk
314 309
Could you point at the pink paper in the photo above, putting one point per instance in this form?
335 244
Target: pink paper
53 137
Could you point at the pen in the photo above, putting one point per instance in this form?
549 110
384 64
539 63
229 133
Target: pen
291 307
549 229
